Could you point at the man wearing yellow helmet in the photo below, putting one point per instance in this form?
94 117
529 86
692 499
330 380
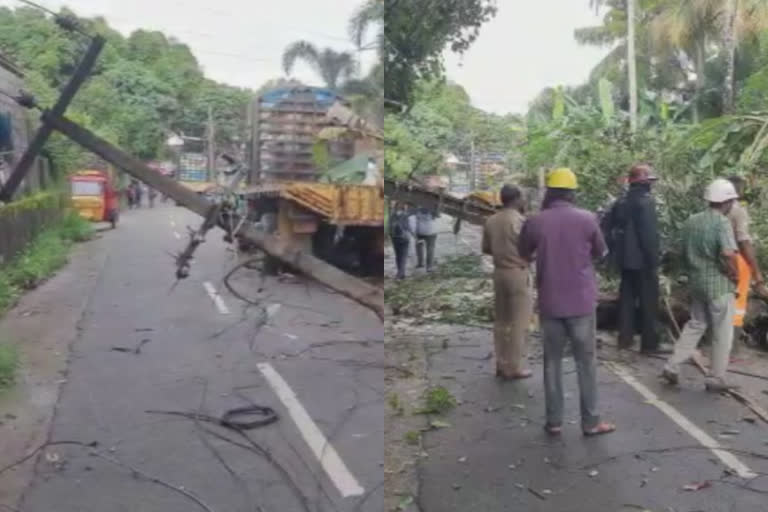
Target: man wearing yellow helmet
564 240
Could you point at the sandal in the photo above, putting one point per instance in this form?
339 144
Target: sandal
601 429
553 430
525 374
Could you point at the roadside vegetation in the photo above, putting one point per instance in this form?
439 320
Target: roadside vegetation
47 253
9 362
458 292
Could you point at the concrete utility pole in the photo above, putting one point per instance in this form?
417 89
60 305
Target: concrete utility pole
632 65
472 169
211 145
44 132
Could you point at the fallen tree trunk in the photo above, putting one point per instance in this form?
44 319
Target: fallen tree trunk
356 289
755 321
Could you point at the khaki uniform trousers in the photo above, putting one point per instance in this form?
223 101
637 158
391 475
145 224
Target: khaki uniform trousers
513 311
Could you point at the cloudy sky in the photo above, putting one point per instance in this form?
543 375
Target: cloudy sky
239 42
527 47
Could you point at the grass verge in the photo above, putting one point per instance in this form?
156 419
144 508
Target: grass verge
9 361
47 253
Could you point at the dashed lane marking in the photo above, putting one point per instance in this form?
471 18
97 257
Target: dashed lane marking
329 459
699 435
177 235
216 298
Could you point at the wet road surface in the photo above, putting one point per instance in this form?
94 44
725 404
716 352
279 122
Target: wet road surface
318 363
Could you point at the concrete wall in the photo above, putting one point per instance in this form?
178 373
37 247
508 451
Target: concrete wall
11 82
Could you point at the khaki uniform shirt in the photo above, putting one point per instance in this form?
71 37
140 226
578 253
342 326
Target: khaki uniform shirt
500 237
740 221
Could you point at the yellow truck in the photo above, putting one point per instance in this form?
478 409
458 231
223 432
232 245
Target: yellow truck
342 224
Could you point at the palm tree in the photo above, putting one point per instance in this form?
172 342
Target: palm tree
691 25
684 26
630 46
333 67
367 94
369 13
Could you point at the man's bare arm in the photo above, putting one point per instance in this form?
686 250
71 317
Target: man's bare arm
731 263
486 242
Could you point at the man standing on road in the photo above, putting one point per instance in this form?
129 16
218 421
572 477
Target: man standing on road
512 296
426 237
564 240
711 257
634 242
749 270
400 233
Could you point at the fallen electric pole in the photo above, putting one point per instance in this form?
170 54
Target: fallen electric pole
463 209
356 289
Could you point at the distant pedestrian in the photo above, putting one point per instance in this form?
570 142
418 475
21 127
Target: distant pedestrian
151 195
138 192
564 240
129 196
426 237
710 254
634 243
513 303
400 232
749 269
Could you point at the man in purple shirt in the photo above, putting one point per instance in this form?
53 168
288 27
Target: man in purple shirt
564 240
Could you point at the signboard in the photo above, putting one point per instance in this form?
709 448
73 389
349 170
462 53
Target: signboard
193 175
193 167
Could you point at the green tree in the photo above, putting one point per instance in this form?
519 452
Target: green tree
416 33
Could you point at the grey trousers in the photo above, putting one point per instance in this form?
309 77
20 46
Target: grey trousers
580 331
717 314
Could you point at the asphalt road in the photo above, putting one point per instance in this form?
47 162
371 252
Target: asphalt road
318 362
495 457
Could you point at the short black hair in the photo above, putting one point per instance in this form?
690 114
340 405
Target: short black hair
557 194
509 194
738 181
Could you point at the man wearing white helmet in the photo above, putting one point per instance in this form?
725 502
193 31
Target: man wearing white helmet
710 255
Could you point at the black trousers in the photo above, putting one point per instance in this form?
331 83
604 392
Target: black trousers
428 241
639 307
400 245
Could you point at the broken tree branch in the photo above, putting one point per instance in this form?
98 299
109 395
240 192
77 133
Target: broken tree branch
740 397
116 462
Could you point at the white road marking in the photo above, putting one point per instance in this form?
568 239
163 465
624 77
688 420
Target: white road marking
177 235
329 459
702 437
173 223
290 336
216 298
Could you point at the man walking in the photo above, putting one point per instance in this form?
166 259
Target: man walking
564 240
711 257
426 237
748 268
400 232
512 296
634 242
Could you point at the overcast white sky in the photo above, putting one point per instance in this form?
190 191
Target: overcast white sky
239 42
527 47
